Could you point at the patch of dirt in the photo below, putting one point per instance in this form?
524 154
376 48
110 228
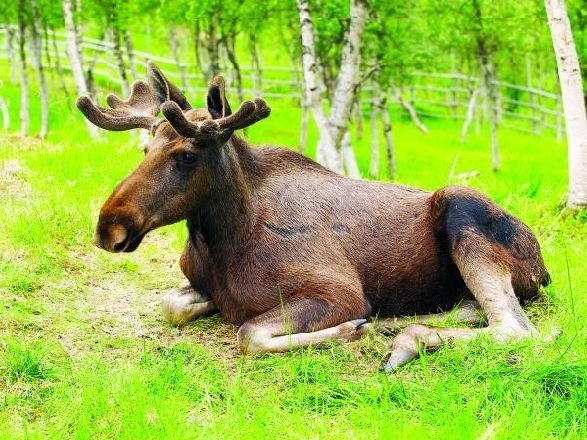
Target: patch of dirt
113 306
13 184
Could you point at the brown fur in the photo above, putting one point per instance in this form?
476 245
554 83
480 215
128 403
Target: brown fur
274 233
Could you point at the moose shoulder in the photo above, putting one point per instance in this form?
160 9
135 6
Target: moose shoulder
297 255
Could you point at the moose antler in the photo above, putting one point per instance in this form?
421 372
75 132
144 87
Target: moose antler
139 111
248 113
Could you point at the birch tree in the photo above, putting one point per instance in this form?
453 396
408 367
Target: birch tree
24 80
332 128
573 100
375 108
73 52
38 58
314 87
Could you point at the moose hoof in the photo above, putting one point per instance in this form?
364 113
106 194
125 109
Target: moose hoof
182 305
396 359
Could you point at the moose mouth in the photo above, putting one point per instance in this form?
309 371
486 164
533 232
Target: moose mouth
130 244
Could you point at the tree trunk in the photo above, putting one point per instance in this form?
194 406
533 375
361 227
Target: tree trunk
228 41
348 75
358 114
130 54
24 82
348 157
47 51
74 59
304 125
327 154
5 114
77 25
571 83
374 164
198 49
175 52
10 34
333 128
488 79
387 134
212 49
411 112
470 113
257 70
38 55
58 67
116 37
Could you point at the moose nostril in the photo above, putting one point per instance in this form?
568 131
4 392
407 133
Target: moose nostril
119 246
118 238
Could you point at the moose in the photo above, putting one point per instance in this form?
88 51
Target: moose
297 255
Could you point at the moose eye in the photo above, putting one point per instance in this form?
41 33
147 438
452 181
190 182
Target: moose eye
187 158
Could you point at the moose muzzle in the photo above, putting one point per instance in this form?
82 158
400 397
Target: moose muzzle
120 231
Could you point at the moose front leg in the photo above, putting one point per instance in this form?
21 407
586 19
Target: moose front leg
301 322
182 305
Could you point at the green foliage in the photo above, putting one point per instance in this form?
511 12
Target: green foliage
503 31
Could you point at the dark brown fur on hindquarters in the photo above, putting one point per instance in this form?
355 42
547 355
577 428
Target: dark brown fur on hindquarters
271 230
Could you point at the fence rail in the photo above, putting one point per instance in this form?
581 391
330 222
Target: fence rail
432 95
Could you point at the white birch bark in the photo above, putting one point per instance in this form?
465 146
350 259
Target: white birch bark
78 29
573 100
348 76
388 136
57 57
327 154
470 114
333 128
304 125
411 111
175 52
74 59
348 158
38 56
5 114
487 78
357 114
374 164
10 35
24 81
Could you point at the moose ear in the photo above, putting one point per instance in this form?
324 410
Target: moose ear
163 90
217 104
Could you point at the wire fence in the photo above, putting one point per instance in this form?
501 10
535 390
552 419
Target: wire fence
451 96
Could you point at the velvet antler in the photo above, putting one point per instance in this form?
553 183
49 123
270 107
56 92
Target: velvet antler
138 111
248 113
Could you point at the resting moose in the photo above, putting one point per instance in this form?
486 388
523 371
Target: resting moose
296 255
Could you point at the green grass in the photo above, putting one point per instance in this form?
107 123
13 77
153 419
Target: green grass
85 352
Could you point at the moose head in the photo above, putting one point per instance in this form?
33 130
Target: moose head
175 177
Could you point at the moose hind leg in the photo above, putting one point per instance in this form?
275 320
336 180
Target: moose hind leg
491 284
301 322
466 312
182 305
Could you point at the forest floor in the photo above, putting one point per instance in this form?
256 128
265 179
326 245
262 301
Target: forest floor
85 352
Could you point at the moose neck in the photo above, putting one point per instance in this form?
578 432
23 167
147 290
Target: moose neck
228 216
